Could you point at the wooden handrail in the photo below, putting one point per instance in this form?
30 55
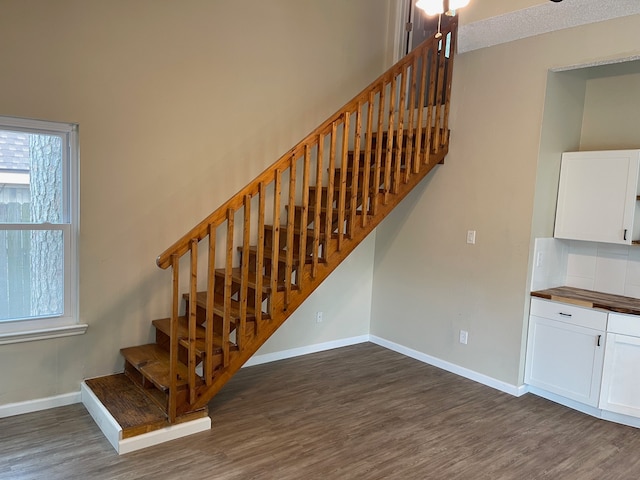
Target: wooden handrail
217 217
312 204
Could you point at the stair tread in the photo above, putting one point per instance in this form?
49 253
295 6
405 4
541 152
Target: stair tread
134 410
164 325
236 275
127 403
218 305
153 362
282 255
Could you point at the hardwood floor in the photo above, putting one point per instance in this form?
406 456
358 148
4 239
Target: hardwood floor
360 412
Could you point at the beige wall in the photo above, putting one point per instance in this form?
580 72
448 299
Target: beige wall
428 283
612 113
179 104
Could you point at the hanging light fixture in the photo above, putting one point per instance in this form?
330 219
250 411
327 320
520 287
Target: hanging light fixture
438 7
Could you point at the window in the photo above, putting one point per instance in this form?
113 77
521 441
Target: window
38 230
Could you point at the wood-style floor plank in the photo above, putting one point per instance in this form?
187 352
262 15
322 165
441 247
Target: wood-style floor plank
360 412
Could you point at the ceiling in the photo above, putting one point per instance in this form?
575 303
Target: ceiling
539 19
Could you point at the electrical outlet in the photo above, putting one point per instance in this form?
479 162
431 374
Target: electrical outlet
464 337
318 317
471 237
539 259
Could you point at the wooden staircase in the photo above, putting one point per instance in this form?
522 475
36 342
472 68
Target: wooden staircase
254 260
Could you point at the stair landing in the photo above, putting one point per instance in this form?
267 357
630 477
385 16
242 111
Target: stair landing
133 420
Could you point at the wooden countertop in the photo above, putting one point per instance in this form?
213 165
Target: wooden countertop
591 299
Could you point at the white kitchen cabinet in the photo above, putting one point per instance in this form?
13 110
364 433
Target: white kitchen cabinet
565 350
598 197
621 374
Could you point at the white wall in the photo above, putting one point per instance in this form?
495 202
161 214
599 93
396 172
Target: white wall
428 283
180 104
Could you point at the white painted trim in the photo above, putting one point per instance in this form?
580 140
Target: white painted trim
166 434
451 367
105 421
297 352
567 402
42 333
113 431
587 409
29 406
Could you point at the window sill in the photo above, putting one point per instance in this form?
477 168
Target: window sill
42 334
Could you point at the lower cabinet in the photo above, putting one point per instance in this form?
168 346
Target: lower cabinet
565 350
621 375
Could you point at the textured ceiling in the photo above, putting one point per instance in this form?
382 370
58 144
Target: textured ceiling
539 19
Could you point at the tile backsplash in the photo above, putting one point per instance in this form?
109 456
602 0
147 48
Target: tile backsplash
602 267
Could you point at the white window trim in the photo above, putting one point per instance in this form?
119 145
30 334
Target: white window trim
67 325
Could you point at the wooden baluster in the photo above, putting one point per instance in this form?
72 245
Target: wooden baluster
228 283
343 178
366 187
433 98
447 103
439 94
211 279
328 231
409 165
420 133
244 282
399 147
379 135
302 252
317 228
291 224
260 256
275 241
193 307
174 341
390 136
353 204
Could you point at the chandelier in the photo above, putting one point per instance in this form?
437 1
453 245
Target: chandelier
438 7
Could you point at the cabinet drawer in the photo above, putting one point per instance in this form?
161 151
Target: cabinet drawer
624 324
572 314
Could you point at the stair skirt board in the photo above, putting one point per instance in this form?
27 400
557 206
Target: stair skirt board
113 431
259 359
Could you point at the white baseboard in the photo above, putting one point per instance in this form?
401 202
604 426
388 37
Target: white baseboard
451 367
113 431
29 406
297 352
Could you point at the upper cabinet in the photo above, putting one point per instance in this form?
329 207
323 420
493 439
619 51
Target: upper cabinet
598 197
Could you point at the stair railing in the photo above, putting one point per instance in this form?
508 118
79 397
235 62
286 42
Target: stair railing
299 213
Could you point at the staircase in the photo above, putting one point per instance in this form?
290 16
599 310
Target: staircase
241 272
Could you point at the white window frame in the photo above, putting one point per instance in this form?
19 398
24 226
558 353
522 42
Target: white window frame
24 330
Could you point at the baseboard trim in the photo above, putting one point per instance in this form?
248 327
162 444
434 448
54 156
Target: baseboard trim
297 352
514 390
30 406
113 431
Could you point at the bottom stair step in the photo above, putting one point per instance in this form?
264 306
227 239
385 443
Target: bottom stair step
134 411
130 419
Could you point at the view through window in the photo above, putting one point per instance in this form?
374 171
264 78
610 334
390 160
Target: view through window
37 220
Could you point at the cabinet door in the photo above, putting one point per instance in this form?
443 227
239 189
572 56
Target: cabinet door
597 196
565 359
621 375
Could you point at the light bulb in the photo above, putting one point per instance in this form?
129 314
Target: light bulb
432 7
